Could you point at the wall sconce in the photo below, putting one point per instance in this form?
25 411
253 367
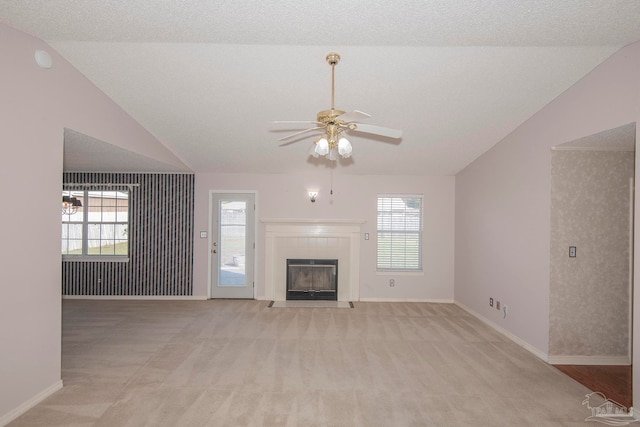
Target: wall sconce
313 195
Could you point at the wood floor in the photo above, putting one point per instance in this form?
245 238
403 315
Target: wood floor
612 381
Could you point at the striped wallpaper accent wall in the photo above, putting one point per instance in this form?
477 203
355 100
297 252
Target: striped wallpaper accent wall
160 240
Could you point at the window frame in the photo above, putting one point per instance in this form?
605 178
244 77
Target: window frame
86 189
395 232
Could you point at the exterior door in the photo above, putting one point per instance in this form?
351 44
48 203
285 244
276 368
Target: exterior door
232 245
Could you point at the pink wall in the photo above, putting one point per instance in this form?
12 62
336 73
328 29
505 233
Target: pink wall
502 199
285 196
501 207
35 107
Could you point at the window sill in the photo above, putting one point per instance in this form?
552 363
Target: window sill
399 273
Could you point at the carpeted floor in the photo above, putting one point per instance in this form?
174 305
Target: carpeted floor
237 363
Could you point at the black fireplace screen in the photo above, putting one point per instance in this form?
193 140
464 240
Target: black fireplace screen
312 279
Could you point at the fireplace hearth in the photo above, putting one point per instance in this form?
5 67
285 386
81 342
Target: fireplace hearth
312 279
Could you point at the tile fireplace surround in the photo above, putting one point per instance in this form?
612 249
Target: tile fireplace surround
312 239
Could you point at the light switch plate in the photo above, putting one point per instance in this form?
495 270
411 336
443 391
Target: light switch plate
203 234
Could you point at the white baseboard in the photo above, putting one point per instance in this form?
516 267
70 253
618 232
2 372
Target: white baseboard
137 297
433 300
24 407
440 301
535 351
589 360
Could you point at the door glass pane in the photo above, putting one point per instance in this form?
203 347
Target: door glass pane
233 225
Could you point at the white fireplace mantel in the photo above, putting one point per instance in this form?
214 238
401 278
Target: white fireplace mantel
312 238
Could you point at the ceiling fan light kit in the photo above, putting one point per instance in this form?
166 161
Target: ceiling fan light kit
332 143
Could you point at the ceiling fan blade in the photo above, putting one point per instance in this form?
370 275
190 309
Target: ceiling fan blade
352 116
295 122
377 130
300 133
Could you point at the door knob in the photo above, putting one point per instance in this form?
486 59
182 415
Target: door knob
214 251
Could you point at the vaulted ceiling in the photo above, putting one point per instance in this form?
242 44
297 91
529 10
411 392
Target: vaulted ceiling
207 77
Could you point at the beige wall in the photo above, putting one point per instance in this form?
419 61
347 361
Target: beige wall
590 293
354 197
36 105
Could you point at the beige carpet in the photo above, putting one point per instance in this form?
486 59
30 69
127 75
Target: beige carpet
239 363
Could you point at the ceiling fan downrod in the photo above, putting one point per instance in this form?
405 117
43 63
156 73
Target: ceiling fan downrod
333 58
327 117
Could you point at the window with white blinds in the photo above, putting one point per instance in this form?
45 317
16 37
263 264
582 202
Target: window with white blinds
400 232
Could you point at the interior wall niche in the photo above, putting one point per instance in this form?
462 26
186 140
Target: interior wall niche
592 211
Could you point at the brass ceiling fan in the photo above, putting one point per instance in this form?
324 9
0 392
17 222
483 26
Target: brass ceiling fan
335 123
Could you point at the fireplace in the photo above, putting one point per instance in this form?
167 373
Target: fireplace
311 239
312 279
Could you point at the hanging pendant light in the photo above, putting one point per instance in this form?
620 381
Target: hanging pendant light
70 205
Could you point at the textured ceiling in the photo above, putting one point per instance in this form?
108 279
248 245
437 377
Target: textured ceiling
206 77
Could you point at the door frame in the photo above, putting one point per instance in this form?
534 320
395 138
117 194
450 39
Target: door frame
210 235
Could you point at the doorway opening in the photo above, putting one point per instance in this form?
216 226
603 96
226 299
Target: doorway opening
232 245
591 286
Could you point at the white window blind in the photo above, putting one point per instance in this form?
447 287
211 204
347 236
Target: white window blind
400 232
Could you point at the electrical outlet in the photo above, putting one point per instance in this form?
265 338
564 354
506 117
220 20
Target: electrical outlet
572 251
392 282
490 302
497 305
